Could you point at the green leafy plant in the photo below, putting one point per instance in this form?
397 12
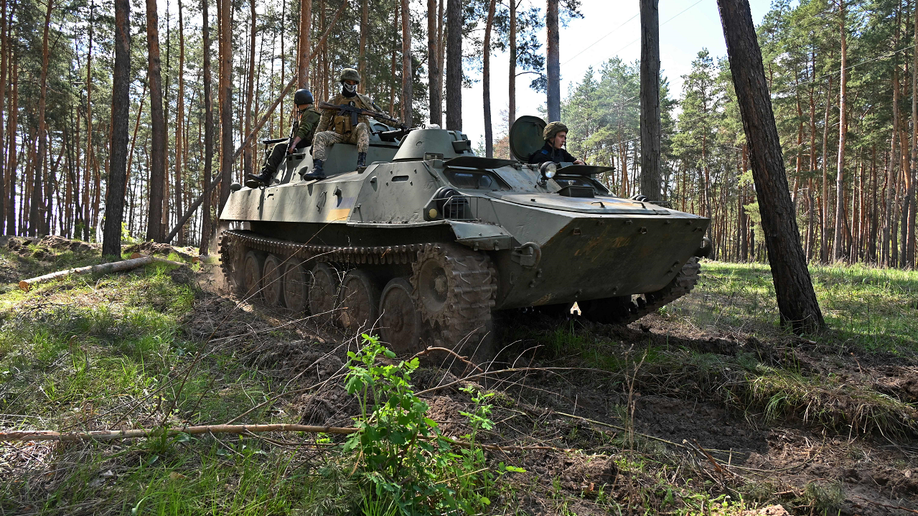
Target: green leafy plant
400 447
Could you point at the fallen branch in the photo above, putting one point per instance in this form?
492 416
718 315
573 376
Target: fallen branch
105 435
104 268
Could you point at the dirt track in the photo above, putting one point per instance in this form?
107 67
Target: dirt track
572 427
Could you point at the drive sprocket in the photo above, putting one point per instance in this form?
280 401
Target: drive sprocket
454 289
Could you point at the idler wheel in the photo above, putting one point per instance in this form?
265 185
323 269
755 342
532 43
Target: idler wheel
296 287
359 301
272 282
323 292
252 265
399 321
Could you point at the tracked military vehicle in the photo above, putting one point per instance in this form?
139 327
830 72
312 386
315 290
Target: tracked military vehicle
428 241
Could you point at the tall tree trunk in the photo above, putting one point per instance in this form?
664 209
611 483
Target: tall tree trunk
407 75
392 63
441 53
824 236
158 128
226 96
553 65
796 298
13 156
303 50
838 245
486 81
433 64
117 170
36 217
362 53
511 79
454 25
179 121
249 94
206 224
4 67
650 100
90 153
910 200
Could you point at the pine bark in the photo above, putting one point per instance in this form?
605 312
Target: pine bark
486 81
454 25
4 67
303 51
407 83
511 80
250 92
36 218
838 245
157 127
13 154
226 99
650 100
797 304
179 121
433 64
206 223
117 170
910 199
553 64
362 54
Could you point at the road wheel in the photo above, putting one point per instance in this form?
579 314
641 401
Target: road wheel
359 301
272 282
296 287
399 320
323 292
252 266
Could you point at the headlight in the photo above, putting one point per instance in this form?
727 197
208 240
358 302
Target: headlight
548 169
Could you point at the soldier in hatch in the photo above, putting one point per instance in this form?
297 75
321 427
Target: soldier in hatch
339 127
303 132
555 136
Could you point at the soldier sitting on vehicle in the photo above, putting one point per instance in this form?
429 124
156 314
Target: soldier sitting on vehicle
303 132
341 127
555 136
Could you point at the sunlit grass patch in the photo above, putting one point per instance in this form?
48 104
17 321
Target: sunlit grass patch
832 402
872 308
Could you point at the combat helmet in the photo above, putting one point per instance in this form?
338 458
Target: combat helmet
303 96
552 129
349 74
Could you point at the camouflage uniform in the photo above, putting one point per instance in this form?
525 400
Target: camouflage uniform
334 128
309 120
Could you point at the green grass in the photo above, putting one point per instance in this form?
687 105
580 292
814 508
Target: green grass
868 308
112 351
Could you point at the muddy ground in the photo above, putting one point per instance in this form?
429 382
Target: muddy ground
639 440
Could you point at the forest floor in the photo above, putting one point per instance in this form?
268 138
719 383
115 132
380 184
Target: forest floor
706 407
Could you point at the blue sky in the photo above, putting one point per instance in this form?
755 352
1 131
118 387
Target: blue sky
608 28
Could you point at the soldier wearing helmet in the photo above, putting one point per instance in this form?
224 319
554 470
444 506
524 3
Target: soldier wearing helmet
303 132
555 136
337 127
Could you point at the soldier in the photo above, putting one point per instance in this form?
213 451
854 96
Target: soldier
303 132
555 136
339 127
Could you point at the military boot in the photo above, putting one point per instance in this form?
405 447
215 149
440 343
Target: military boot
263 179
317 172
361 160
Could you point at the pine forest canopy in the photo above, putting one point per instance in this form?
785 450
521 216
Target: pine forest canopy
856 205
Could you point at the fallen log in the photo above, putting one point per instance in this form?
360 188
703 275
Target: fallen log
49 435
103 268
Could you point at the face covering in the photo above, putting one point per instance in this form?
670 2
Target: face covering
349 90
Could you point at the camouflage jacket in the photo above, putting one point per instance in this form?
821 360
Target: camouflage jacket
309 120
341 124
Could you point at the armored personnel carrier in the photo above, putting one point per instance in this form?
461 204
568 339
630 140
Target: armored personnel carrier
428 241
